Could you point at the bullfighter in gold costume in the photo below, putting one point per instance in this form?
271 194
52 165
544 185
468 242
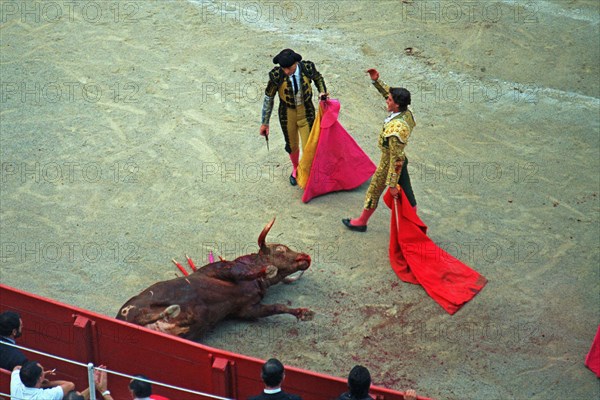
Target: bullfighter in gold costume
292 81
392 168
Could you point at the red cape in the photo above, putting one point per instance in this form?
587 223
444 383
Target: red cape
334 159
592 361
417 259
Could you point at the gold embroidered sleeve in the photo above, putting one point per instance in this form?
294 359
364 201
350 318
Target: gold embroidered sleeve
382 87
396 157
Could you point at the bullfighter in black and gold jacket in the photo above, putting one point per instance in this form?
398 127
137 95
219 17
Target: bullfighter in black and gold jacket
292 80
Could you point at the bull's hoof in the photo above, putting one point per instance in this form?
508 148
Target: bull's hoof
304 314
171 312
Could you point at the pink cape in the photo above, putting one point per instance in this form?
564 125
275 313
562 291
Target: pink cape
592 361
417 259
332 159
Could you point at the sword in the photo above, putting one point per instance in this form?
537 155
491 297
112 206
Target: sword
267 139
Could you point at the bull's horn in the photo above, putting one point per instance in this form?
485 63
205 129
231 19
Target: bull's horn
263 234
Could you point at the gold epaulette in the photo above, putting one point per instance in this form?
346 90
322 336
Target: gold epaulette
398 128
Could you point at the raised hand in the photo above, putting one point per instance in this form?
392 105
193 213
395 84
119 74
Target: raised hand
373 73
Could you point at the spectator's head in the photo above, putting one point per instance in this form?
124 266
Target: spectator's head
401 97
31 373
10 324
140 389
272 373
359 381
73 395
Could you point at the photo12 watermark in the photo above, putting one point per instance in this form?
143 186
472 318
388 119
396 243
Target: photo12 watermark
62 172
244 92
466 333
475 172
90 12
322 252
232 92
474 92
470 11
65 332
40 93
253 172
71 252
511 252
265 12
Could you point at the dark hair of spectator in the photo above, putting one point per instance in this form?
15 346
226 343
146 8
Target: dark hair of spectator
9 321
73 395
140 388
30 373
272 372
359 382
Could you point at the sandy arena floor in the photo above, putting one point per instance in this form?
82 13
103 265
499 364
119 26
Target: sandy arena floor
129 136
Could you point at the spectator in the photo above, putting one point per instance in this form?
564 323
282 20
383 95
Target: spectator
11 327
26 383
100 380
142 390
359 383
273 375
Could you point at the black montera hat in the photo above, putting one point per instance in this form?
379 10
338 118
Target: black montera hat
286 58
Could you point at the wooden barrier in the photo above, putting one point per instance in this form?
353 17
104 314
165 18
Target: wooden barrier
83 336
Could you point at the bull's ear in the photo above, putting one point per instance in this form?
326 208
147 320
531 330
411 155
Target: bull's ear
263 235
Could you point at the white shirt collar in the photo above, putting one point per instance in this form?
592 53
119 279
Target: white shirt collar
392 116
272 391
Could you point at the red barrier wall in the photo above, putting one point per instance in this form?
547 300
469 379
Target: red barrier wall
84 336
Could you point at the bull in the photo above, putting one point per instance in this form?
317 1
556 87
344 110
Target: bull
192 305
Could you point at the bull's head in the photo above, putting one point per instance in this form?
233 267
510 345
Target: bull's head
285 260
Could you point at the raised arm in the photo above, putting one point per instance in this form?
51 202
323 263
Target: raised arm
379 84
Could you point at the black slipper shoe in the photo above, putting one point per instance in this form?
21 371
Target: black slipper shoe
356 228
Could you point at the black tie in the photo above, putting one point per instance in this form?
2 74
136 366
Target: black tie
295 84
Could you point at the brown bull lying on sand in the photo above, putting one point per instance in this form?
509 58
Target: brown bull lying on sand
190 306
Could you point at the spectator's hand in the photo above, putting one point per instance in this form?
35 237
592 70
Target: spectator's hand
410 395
264 130
46 380
373 73
101 379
